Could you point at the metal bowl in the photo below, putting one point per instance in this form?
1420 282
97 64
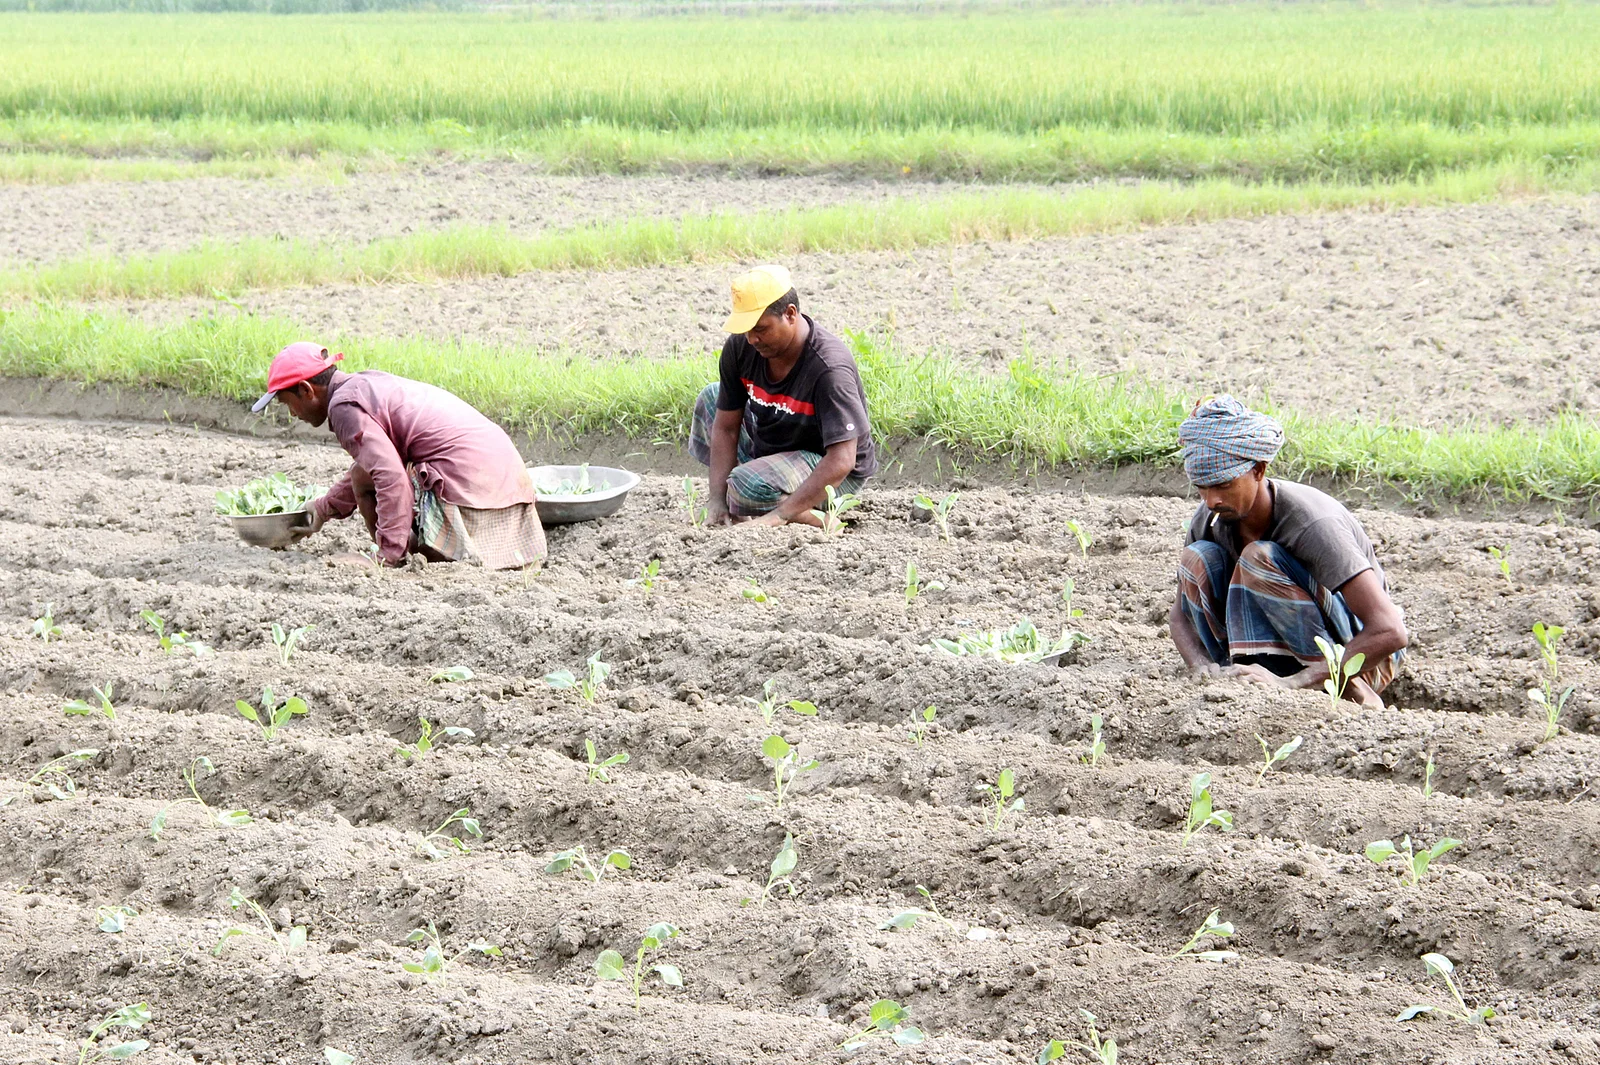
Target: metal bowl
275 531
611 489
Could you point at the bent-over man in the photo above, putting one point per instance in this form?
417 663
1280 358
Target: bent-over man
432 476
788 415
1271 565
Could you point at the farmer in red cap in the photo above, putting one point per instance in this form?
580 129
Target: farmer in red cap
432 476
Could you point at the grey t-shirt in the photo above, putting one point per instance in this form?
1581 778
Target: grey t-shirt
1311 525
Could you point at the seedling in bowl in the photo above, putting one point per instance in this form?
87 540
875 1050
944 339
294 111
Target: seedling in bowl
1546 697
1414 862
787 764
132 1017
1202 814
286 942
174 641
288 640
920 722
754 592
1270 758
611 965
1083 536
440 842
44 626
580 485
939 512
782 865
597 768
692 504
915 585
1097 743
836 505
451 675
577 860
53 777
1102 1050
1441 966
999 795
191 774
103 707
1498 554
907 919
417 751
1215 929
435 964
273 494
887 1018
1341 669
649 576
588 686
771 702
271 715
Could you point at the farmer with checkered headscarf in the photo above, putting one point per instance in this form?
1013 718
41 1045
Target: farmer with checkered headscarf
1270 566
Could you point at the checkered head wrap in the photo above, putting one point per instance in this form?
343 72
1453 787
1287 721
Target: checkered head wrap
1222 439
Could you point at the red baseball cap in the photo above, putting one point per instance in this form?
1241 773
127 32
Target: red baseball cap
295 364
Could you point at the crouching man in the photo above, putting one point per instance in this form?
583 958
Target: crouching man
432 476
1270 565
788 416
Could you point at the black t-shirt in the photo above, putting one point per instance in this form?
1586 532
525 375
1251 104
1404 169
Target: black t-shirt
819 404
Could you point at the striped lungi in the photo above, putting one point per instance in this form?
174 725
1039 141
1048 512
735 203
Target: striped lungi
508 538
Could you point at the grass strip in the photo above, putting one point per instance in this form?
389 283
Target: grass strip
1026 417
47 148
894 225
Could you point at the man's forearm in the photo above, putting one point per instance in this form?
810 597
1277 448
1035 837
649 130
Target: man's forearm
813 491
1373 644
724 453
1186 640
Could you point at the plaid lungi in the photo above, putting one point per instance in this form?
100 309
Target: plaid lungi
1269 605
756 485
508 538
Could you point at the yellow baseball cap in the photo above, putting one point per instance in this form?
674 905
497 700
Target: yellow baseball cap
753 293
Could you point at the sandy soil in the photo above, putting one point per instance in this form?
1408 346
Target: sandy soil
40 223
1437 316
1087 889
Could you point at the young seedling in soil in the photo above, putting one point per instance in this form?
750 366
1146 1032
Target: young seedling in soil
588 686
782 865
114 919
1545 697
1215 929
692 504
1340 669
272 715
44 626
907 919
132 1017
1097 743
53 777
287 641
1102 1050
79 708
835 507
1068 590
1083 536
335 1056
915 585
441 837
940 512
888 1018
787 764
451 675
435 964
1022 642
920 722
754 592
597 768
770 702
999 794
224 818
175 641
611 965
1270 758
649 576
1427 778
417 751
1415 862
1201 811
577 860
286 942
1498 554
1441 966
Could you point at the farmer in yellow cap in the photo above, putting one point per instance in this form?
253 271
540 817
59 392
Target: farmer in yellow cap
788 416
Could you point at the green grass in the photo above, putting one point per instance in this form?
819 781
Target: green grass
896 224
1027 417
1287 91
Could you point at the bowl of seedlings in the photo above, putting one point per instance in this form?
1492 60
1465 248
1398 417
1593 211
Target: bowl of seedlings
565 494
269 512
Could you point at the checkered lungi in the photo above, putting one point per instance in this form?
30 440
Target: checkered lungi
509 538
756 485
1268 605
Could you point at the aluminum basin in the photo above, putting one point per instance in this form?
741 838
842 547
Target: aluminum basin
611 490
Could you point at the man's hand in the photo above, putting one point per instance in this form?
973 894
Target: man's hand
771 520
315 520
718 515
1261 675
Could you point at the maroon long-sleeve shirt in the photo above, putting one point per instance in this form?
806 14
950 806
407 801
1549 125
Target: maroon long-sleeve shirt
387 423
